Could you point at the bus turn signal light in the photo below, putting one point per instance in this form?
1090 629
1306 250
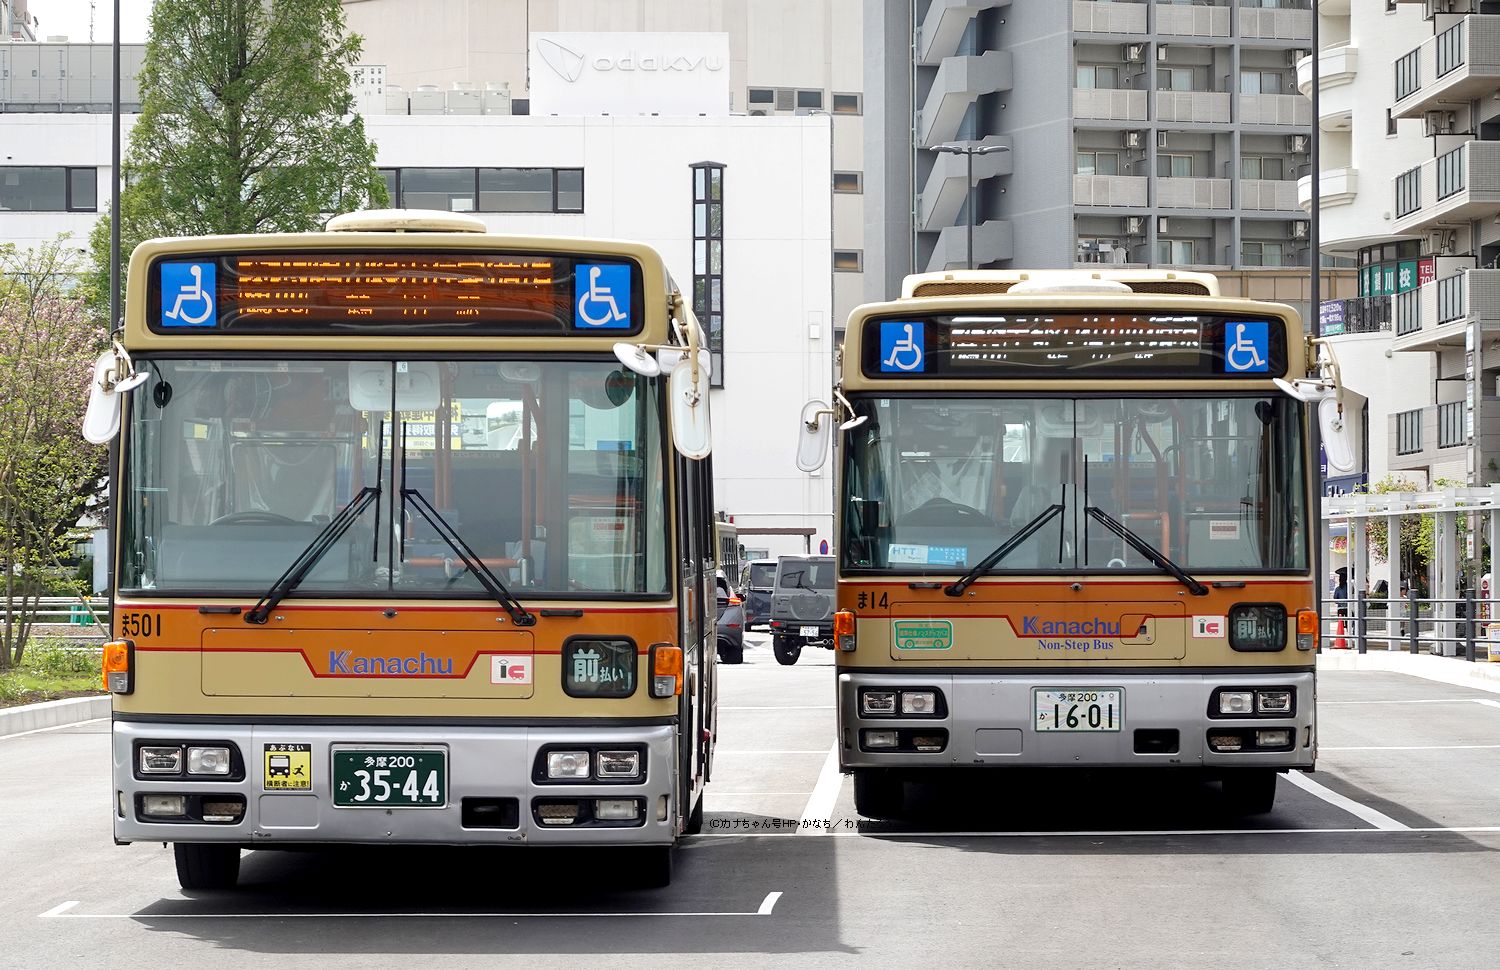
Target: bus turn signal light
666 670
119 666
843 630
1307 629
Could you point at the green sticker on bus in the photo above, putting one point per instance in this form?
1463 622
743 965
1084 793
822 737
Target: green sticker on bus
922 634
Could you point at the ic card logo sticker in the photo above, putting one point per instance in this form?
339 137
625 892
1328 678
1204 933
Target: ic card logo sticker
510 670
1247 346
922 634
902 347
601 296
1208 627
187 294
288 767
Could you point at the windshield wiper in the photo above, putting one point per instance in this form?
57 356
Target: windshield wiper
312 554
491 583
1146 549
1006 548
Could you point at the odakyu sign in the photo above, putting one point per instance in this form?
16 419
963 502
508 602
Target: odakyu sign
630 74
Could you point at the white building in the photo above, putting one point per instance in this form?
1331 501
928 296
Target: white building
631 177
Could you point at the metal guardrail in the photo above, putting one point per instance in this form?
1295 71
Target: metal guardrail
67 611
1407 623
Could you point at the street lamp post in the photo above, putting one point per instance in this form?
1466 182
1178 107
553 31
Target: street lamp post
969 151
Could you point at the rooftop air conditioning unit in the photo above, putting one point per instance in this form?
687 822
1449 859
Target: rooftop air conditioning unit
1439 123
1135 225
1135 53
1131 139
1442 241
1297 230
1296 143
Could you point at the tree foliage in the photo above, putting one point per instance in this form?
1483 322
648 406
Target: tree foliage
48 473
1418 532
246 125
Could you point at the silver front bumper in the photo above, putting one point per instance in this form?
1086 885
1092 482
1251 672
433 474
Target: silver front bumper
482 762
989 721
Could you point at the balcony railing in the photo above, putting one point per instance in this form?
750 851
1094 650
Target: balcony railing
1275 109
1460 64
1109 104
1450 173
1408 431
1450 422
1211 106
1198 20
1089 16
1276 24
1459 186
1450 49
1273 195
1409 74
1365 314
1192 193
1111 190
1408 191
1450 298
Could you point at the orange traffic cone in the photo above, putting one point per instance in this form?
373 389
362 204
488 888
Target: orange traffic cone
1339 643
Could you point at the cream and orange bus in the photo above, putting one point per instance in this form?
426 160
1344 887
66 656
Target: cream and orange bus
1075 529
415 544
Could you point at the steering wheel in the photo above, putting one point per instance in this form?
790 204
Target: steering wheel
941 511
253 517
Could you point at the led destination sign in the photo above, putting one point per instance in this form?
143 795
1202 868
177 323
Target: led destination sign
390 291
1076 346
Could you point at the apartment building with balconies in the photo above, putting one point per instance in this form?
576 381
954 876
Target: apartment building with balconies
1410 112
1141 133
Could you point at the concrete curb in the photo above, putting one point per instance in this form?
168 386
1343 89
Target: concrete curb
35 717
1447 670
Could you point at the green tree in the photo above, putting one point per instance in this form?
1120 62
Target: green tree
246 125
47 472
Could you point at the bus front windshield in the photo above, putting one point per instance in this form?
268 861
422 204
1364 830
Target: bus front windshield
934 485
550 472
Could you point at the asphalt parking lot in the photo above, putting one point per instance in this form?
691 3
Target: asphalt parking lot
1387 856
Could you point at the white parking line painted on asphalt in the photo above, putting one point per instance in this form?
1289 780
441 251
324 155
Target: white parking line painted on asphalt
719 752
819 805
1424 700
58 912
790 707
59 727
1322 749
1378 819
716 793
1486 703
1106 833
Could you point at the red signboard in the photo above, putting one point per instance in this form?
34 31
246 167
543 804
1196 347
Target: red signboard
1426 271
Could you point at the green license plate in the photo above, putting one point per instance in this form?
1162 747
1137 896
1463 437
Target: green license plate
390 778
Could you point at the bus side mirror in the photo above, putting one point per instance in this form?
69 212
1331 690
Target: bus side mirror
687 391
814 432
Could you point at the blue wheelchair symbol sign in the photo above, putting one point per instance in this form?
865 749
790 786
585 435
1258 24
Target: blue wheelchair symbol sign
1247 346
188 292
601 296
902 347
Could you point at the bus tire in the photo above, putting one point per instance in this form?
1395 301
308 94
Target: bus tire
653 866
206 865
787 650
879 793
1250 791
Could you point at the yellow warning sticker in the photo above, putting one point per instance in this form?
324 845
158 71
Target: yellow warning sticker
288 767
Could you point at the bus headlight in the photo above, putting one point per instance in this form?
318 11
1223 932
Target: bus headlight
619 764
567 764
1236 702
208 761
160 760
918 702
877 702
1273 702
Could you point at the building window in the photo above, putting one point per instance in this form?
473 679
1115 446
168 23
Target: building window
1174 79
848 260
708 259
495 189
48 189
1096 163
1262 253
848 104
1409 432
1097 76
1450 173
1174 166
810 99
1390 122
1260 82
1450 49
1179 252
1451 425
1262 167
1409 191
1095 249
1408 74
1450 298
853 182
764 97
